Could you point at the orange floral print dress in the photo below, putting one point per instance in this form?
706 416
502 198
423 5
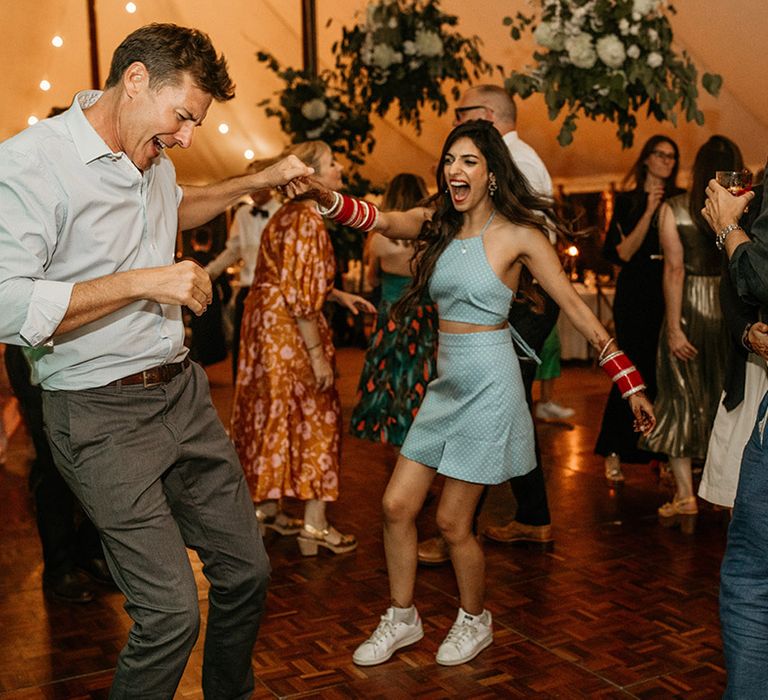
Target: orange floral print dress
287 432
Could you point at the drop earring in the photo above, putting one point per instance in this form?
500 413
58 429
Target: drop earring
492 184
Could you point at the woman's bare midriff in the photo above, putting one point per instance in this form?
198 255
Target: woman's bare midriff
458 327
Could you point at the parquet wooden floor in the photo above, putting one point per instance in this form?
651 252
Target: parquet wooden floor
622 608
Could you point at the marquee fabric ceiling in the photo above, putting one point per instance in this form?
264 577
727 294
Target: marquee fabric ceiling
719 38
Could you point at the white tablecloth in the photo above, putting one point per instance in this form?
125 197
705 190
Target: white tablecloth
573 344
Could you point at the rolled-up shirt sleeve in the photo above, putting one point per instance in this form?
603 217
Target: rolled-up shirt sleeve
32 306
47 307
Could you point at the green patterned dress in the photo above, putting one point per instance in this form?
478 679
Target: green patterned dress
399 363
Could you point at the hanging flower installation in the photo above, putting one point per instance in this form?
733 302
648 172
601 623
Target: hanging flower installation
607 59
311 108
403 52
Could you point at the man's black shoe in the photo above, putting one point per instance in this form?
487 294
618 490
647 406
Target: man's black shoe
69 588
97 570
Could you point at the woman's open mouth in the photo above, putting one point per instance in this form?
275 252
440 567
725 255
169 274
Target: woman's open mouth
459 191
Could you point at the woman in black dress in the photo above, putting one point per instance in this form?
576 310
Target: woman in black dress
632 242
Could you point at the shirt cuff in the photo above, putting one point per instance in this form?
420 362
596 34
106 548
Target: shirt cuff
47 307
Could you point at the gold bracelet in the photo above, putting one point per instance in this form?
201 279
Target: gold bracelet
310 348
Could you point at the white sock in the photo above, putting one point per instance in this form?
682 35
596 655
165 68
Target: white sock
472 618
407 615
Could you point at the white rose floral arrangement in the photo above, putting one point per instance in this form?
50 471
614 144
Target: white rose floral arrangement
314 107
607 59
403 51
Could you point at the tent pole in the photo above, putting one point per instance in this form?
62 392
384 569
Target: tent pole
309 36
93 45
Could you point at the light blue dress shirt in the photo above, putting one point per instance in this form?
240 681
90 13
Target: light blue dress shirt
72 211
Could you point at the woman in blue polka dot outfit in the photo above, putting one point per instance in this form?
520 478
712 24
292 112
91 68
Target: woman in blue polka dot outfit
474 242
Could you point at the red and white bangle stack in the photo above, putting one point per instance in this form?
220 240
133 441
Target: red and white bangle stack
623 373
353 212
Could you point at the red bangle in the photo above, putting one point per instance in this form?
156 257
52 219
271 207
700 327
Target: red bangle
623 373
352 212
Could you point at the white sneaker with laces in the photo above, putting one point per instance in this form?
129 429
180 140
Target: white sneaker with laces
469 635
553 411
389 636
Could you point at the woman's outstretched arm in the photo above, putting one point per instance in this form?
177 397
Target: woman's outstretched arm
357 213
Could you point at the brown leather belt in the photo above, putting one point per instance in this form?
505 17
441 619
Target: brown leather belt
155 376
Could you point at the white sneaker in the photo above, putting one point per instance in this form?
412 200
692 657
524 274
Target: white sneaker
469 635
388 637
553 411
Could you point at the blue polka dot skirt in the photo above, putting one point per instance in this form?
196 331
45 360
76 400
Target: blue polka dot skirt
474 423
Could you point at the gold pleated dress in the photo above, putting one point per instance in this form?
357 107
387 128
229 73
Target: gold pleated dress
689 391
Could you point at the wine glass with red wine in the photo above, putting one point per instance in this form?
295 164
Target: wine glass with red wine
737 182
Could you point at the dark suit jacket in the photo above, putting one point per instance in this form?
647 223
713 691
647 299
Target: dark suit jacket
738 305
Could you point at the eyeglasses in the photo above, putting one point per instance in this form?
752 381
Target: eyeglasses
664 155
459 111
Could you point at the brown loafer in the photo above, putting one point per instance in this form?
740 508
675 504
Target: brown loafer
539 535
434 551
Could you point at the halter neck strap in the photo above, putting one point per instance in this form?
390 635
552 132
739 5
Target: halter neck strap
487 224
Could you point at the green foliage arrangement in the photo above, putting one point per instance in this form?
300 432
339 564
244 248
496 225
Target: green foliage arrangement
403 52
607 59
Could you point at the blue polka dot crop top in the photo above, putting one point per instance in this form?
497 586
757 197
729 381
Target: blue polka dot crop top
465 287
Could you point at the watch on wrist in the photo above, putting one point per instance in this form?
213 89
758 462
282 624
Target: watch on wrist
723 234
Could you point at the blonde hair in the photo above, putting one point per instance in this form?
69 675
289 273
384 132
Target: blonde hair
308 152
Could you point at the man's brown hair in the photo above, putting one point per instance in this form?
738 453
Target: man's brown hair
168 52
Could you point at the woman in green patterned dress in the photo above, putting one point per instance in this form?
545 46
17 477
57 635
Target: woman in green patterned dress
400 360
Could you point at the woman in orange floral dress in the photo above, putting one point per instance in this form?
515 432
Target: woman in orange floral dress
286 419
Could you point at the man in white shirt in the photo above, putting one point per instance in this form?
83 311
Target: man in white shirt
89 210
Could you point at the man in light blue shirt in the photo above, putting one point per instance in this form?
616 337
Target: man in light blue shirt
89 210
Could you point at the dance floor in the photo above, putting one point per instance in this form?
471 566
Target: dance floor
621 608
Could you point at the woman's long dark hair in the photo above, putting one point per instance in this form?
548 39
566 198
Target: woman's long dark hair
719 153
639 170
514 200
404 191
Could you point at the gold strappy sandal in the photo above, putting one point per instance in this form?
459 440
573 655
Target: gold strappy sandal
310 539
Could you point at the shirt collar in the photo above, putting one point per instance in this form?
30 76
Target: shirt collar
89 144
510 137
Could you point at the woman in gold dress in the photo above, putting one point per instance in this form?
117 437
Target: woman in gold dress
690 365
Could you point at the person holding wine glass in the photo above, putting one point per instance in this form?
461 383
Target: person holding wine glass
743 574
690 365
